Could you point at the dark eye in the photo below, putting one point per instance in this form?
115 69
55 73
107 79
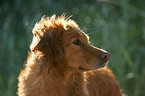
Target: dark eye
77 42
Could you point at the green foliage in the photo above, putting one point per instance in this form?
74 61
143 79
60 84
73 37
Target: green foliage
115 25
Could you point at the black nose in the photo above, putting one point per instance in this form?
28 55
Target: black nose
104 56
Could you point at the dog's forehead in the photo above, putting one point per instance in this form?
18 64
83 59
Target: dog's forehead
78 32
83 34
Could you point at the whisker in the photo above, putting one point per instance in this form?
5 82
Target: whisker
88 33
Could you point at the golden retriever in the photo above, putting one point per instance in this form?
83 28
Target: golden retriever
63 63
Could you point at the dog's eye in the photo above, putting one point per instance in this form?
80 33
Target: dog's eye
77 42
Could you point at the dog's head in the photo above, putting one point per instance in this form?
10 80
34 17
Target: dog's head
62 42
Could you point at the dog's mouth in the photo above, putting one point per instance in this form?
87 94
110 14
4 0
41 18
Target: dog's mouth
102 66
83 69
97 67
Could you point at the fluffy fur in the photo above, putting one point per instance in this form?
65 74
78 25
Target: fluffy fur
63 63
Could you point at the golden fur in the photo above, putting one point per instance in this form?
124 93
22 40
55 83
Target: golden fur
63 63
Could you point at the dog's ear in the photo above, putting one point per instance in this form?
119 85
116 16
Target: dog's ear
35 42
38 31
51 45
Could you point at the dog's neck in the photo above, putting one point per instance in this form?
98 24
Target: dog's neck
65 83
44 81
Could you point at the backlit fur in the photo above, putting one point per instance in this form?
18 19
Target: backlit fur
58 65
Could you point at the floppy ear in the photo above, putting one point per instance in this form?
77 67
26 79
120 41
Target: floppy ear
35 42
51 45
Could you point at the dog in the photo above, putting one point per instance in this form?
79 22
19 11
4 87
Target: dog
63 63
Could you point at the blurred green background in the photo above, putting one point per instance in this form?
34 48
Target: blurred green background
117 26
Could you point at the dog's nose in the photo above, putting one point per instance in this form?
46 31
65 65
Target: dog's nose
104 56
